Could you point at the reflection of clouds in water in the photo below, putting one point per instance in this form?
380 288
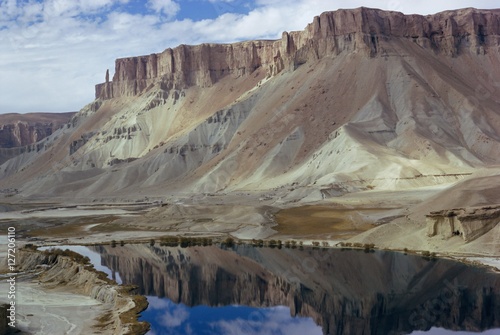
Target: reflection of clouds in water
173 319
169 315
442 331
275 320
157 303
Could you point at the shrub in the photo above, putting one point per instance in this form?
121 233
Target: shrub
184 242
170 241
229 242
30 246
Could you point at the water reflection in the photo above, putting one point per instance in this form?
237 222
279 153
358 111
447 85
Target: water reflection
166 317
344 292
95 259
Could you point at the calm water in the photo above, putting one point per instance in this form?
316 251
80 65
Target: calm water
247 290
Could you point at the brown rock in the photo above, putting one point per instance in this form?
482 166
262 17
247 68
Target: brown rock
331 33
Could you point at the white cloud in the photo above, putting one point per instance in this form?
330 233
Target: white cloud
53 52
166 7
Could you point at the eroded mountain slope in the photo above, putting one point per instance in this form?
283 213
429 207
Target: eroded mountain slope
360 99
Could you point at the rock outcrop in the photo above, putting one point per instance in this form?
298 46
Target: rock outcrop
76 276
469 223
363 29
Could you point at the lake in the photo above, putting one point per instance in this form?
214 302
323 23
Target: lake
251 290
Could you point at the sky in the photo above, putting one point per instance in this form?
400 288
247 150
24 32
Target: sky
53 52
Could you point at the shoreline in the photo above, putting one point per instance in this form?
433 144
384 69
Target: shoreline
470 259
54 283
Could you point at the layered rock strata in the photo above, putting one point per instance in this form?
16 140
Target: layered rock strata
61 270
20 130
469 223
362 29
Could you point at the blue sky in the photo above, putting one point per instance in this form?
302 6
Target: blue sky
53 52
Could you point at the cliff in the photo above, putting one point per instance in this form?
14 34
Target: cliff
469 223
363 29
20 133
19 130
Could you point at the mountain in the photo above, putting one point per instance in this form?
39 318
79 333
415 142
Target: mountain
360 100
18 132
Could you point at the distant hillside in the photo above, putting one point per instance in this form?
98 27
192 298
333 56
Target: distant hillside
18 132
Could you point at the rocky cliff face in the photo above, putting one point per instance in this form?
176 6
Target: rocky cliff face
469 223
19 130
19 133
365 30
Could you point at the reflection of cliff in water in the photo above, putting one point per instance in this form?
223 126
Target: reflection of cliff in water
347 292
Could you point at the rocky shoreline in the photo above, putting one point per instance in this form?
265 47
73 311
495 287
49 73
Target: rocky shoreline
56 270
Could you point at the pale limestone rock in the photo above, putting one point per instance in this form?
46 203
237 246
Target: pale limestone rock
470 223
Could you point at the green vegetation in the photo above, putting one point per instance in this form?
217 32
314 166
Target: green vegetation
258 243
183 242
228 242
369 247
272 243
30 246
429 255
